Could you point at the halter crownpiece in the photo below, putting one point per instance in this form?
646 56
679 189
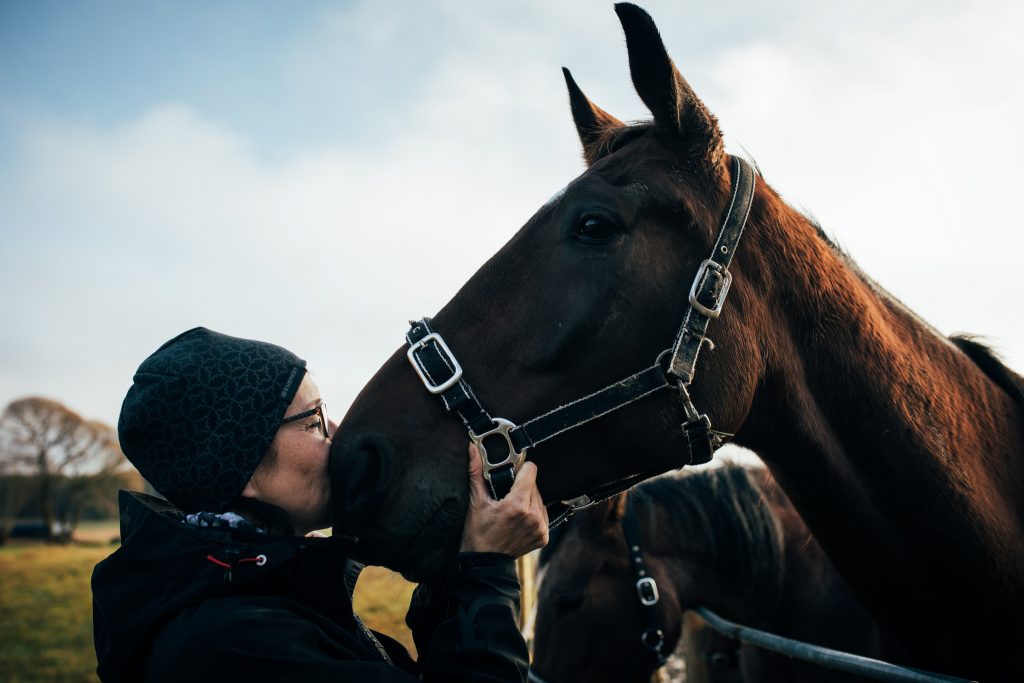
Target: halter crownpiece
443 375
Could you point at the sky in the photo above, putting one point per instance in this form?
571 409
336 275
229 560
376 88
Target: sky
281 171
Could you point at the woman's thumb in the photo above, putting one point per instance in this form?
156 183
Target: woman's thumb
477 485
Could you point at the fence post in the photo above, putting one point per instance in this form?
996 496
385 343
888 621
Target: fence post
526 567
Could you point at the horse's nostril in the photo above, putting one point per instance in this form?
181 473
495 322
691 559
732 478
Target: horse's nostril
357 471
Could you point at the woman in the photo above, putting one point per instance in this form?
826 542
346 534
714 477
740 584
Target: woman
220 581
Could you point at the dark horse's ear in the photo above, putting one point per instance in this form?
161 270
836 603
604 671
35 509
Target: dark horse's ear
663 89
615 509
591 120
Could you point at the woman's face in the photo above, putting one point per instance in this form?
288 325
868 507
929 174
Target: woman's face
293 476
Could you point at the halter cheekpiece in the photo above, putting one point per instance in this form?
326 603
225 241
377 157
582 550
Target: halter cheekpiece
503 444
653 635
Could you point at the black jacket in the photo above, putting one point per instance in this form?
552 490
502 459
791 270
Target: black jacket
177 602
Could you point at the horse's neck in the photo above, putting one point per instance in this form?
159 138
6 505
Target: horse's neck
873 394
890 441
700 583
803 598
817 605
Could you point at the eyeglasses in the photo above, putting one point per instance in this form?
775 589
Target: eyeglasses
320 412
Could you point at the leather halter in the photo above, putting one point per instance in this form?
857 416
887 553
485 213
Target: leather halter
442 374
653 635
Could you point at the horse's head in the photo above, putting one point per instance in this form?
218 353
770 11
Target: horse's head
616 581
591 624
592 289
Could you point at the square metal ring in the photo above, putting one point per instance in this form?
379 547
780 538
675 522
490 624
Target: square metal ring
446 354
708 264
515 458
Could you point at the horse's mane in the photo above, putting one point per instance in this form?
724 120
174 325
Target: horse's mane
722 517
993 367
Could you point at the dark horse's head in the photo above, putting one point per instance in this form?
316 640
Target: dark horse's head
591 625
707 538
592 289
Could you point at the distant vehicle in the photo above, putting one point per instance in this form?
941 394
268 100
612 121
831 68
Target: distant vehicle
36 529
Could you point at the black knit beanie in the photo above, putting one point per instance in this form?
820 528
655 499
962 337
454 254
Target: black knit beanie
202 412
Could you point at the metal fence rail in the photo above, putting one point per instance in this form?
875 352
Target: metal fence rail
832 659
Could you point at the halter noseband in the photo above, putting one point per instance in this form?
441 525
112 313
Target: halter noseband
442 374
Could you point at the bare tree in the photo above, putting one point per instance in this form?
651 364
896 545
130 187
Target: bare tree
65 454
101 471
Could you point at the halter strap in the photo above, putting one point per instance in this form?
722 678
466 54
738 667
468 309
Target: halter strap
653 635
442 374
711 285
707 297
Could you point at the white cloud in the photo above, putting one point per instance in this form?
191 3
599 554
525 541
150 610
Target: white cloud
902 138
898 134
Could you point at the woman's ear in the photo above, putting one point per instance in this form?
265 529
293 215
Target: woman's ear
263 472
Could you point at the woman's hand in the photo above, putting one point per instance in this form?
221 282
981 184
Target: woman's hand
514 525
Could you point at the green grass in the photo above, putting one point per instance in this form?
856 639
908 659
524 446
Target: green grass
98 533
46 607
46 613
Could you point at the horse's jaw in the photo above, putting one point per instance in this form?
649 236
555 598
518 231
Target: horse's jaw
418 543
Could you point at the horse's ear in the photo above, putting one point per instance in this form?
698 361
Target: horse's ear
616 509
591 120
675 106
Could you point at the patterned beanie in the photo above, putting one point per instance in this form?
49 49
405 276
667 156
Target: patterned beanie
201 414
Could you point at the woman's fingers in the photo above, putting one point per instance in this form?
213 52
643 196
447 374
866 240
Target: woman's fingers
538 504
514 525
525 487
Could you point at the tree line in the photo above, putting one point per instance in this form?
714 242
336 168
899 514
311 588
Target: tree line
58 467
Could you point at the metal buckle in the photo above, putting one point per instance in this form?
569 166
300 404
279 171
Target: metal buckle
650 597
653 638
446 354
726 275
514 458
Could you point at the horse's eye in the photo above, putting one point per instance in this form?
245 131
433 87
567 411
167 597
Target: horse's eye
595 229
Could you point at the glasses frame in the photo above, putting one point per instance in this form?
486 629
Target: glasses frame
319 411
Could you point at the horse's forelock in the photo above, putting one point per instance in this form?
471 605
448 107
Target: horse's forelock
614 138
720 515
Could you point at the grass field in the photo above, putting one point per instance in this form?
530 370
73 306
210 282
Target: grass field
46 613
46 607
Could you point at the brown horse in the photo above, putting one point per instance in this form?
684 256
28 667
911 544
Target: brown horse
727 539
904 455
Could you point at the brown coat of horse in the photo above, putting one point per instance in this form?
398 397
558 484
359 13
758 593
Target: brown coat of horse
903 453
727 539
